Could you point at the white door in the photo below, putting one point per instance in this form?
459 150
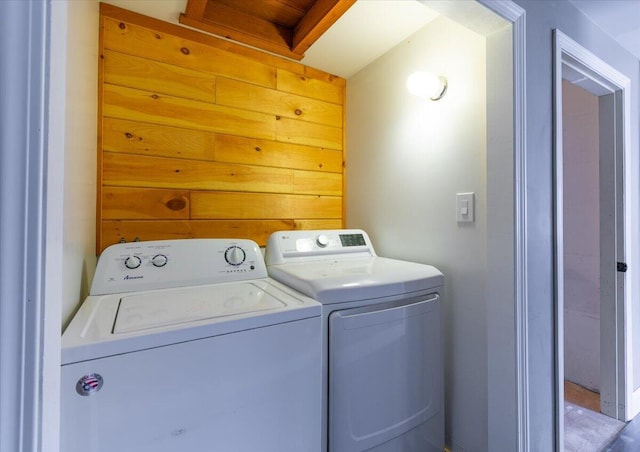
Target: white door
613 262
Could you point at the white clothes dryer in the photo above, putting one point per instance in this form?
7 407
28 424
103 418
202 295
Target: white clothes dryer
187 345
382 344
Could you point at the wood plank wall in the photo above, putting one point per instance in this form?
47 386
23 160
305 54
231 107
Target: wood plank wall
201 137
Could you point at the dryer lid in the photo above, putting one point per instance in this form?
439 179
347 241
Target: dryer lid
357 279
166 308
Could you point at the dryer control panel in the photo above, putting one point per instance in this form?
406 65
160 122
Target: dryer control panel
294 246
163 264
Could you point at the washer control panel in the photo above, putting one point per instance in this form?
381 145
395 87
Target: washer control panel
162 264
292 246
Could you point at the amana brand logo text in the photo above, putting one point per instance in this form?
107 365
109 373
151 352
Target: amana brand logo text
89 384
133 277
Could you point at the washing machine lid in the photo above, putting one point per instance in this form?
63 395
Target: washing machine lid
160 309
121 323
357 279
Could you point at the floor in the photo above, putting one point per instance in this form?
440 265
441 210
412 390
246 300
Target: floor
580 395
628 440
585 428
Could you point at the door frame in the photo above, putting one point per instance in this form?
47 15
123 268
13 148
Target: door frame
568 52
515 14
24 375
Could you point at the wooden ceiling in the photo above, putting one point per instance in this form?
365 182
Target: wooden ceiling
284 27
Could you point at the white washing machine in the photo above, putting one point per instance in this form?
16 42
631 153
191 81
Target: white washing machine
382 345
187 345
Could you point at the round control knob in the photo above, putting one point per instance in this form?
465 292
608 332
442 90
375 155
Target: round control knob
132 262
322 240
235 255
159 260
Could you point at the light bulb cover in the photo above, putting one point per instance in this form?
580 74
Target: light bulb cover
425 84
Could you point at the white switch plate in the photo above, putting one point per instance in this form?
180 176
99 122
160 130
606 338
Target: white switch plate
465 207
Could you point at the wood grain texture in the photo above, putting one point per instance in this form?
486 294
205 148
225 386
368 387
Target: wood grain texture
313 182
230 148
317 223
248 28
134 137
199 137
257 230
225 45
284 12
220 205
315 88
144 203
126 37
145 106
122 170
154 172
243 95
142 73
195 8
300 132
287 28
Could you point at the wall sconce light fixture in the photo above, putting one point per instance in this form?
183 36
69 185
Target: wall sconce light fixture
424 84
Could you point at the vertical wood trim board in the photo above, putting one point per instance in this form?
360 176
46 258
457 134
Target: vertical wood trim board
200 137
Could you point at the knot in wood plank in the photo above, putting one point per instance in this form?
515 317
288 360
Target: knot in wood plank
176 204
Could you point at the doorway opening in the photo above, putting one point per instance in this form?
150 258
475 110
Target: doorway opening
587 213
591 144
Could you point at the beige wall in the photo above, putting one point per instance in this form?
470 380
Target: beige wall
406 159
81 97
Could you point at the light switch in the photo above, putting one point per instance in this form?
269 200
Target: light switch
465 207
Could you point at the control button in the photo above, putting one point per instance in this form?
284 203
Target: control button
132 262
159 260
235 255
322 240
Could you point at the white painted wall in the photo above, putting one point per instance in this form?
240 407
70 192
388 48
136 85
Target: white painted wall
500 278
79 138
406 160
167 10
542 18
581 236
